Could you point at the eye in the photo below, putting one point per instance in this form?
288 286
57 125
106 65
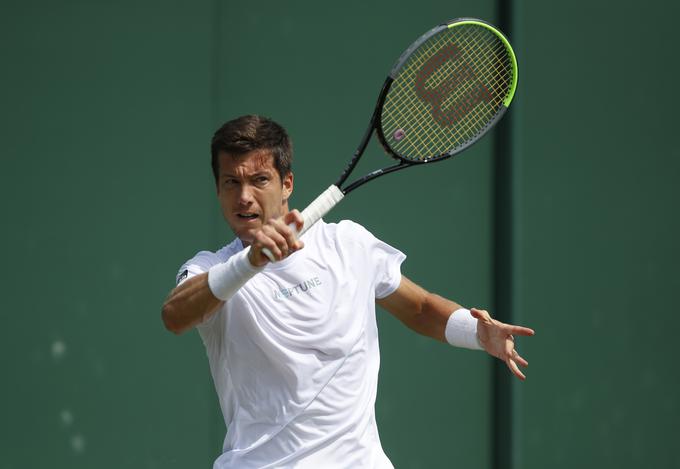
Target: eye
229 182
261 180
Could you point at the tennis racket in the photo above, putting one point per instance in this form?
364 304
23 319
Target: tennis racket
446 91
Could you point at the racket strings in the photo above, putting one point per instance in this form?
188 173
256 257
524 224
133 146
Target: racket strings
474 51
494 76
462 90
447 92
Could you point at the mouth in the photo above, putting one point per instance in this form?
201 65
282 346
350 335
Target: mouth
247 216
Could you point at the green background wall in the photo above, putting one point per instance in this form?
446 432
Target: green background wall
106 114
596 234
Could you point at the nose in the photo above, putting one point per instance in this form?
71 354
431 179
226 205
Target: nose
245 195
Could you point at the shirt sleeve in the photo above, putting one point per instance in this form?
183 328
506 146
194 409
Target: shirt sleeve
388 268
200 263
384 260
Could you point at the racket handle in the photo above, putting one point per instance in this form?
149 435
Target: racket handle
321 206
313 213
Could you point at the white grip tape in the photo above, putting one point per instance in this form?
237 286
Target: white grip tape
321 206
314 211
461 330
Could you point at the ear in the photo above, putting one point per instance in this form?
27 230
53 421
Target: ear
287 186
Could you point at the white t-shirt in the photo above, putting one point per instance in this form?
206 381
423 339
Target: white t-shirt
294 353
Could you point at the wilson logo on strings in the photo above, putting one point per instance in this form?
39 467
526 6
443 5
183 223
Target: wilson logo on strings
474 93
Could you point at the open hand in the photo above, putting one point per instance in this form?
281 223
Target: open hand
498 340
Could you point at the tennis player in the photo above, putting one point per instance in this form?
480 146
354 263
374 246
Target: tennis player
293 344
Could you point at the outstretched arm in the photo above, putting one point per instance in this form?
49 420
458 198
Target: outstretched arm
428 314
420 310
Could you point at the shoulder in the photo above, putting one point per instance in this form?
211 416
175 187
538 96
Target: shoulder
360 240
368 256
209 258
350 230
344 229
202 261
346 234
223 254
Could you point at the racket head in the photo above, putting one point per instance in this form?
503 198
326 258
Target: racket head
447 90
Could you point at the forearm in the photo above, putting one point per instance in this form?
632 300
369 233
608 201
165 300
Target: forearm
189 304
436 313
424 312
195 299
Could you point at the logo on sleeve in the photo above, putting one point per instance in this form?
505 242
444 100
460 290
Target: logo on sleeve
182 276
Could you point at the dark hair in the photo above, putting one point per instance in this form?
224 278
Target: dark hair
252 132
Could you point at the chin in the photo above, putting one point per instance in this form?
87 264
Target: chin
245 234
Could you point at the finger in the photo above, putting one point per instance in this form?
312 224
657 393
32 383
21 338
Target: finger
509 348
518 359
276 240
266 249
520 330
515 370
289 227
271 239
288 240
294 216
259 255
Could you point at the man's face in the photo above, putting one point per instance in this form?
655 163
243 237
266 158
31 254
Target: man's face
251 192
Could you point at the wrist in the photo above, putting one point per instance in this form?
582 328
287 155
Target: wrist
251 259
461 330
226 278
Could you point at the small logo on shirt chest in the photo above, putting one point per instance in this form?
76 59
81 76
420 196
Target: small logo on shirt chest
302 287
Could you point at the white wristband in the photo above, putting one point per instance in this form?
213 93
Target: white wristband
226 278
461 330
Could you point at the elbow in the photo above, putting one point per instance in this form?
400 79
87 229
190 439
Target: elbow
170 319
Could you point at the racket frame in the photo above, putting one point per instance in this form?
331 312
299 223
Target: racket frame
375 123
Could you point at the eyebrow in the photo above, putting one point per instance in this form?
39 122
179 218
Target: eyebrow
254 175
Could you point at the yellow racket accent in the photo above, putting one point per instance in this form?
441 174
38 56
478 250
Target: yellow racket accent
449 91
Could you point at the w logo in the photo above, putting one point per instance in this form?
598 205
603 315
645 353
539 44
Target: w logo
462 75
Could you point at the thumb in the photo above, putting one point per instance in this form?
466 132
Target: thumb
480 314
294 217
